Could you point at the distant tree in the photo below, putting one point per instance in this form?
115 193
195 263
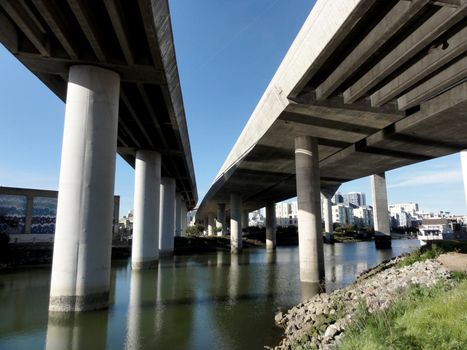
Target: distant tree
195 230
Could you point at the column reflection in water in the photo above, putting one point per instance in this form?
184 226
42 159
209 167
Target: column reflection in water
234 277
309 290
142 310
175 303
77 331
270 276
384 254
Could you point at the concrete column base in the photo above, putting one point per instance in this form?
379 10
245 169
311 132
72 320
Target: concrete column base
89 302
165 253
142 265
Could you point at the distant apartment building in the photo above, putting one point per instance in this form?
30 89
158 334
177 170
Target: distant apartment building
363 216
287 214
403 214
342 214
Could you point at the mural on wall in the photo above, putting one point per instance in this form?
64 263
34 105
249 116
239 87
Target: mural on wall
44 212
12 214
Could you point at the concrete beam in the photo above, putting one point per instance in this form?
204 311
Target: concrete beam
58 25
115 10
33 29
435 85
89 27
397 17
425 34
436 58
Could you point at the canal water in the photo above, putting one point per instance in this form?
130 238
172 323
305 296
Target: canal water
212 301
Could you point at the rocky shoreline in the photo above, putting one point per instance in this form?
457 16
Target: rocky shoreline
320 322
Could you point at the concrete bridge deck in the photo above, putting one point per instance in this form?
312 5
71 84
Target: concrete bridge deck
379 84
113 63
131 38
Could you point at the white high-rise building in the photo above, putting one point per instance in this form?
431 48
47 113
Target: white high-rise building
286 214
363 216
403 213
342 214
355 198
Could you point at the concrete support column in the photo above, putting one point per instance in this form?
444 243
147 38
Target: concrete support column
235 224
328 224
380 203
178 214
380 211
145 244
205 225
309 209
183 215
81 258
210 224
270 225
245 219
220 219
167 217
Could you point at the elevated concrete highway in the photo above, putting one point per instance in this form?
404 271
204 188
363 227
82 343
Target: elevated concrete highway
133 39
113 63
374 85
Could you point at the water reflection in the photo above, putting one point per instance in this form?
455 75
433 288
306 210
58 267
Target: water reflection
141 309
309 290
81 331
211 301
384 254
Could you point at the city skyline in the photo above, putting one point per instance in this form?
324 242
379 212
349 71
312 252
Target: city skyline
222 77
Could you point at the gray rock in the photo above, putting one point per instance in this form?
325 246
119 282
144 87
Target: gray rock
331 331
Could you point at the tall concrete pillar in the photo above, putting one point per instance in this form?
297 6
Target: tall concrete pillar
235 224
145 245
167 217
380 211
210 224
178 214
463 156
270 225
205 225
220 219
327 206
245 219
183 215
380 203
309 209
81 258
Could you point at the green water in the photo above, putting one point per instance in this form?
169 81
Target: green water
212 301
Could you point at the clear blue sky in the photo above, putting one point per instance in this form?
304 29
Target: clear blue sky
227 52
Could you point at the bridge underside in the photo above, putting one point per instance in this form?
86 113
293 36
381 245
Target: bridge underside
132 38
388 89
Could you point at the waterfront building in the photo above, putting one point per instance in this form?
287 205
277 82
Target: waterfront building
342 214
363 216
